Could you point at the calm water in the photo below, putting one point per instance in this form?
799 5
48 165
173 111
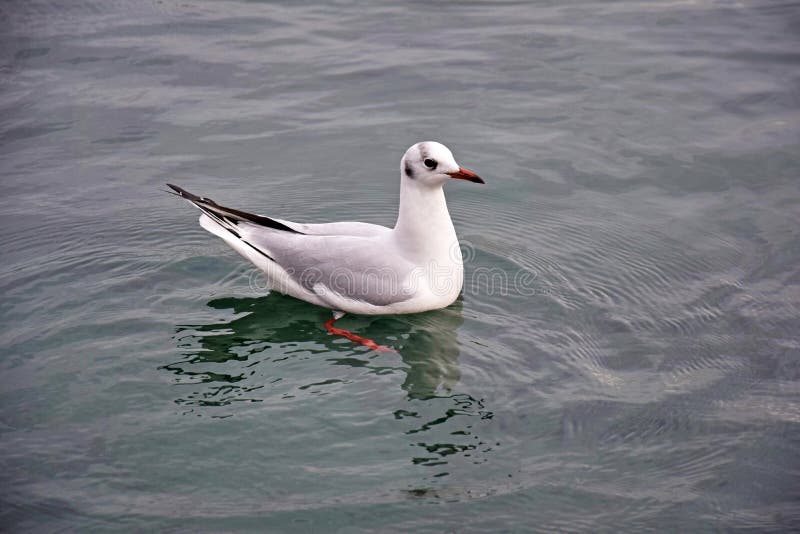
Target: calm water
626 353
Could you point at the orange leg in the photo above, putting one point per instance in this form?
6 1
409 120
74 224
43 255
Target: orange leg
353 337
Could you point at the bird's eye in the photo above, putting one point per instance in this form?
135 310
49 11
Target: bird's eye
430 163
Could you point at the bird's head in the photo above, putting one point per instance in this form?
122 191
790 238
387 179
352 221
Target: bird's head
432 164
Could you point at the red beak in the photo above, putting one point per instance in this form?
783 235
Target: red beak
466 174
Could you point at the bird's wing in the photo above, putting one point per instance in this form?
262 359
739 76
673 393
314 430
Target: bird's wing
356 268
357 264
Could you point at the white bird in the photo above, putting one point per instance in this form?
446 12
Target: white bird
356 267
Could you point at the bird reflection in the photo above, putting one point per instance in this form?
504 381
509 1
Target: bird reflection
271 329
430 351
427 342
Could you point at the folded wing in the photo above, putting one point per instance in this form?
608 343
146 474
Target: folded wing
355 268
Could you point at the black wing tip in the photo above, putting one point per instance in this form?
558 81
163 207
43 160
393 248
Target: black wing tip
208 204
182 192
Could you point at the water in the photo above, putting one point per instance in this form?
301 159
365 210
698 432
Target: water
625 354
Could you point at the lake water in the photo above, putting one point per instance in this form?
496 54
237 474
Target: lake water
626 352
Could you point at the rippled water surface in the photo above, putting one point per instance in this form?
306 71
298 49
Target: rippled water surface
625 354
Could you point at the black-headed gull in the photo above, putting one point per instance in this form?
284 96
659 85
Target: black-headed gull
356 267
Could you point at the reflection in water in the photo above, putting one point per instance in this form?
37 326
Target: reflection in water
272 330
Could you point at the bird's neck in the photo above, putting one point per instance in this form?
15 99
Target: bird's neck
424 230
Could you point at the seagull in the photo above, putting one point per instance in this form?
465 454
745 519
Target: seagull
357 267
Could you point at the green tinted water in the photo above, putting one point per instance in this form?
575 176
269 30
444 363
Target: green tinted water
625 354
